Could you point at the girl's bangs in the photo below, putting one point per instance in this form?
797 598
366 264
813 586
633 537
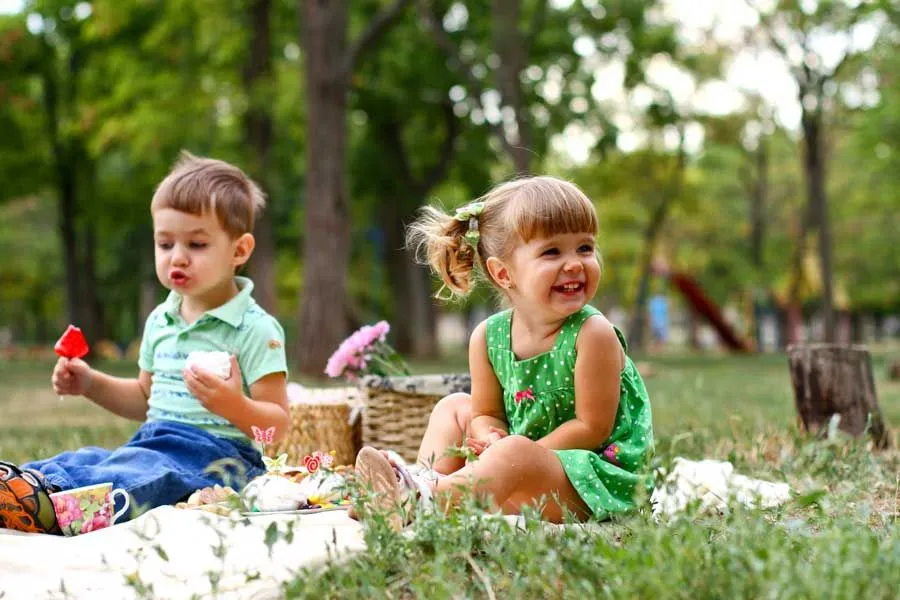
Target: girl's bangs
538 217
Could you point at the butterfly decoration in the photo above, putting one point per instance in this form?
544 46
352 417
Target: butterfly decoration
263 436
524 395
275 465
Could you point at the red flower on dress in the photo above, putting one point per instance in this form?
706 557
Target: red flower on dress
612 454
524 395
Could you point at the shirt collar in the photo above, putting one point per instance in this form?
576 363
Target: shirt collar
232 312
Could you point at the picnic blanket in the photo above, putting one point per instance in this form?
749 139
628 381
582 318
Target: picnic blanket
173 550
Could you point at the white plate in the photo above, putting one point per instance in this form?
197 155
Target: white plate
302 511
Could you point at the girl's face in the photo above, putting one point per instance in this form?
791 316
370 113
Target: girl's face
554 276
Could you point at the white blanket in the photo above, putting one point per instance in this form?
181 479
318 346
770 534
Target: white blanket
97 565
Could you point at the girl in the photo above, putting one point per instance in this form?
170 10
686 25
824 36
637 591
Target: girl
558 414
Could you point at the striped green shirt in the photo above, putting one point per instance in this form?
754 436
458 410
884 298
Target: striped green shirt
240 327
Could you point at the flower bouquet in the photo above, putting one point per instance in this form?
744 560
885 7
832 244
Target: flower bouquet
366 352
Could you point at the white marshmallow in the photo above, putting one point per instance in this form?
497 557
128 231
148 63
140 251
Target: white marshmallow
215 362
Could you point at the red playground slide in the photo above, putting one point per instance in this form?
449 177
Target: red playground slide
702 305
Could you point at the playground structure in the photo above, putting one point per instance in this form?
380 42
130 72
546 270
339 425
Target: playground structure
702 305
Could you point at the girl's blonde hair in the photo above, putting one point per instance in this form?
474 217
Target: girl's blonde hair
512 213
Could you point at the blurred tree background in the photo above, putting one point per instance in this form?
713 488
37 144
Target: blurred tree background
753 144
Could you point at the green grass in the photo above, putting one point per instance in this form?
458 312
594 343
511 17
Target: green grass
840 537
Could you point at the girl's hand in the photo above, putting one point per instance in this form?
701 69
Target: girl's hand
71 377
214 393
480 445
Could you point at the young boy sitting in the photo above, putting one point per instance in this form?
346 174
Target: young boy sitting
203 214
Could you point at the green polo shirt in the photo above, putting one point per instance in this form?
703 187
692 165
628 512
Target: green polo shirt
240 327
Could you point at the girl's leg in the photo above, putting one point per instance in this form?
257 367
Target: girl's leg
448 426
516 472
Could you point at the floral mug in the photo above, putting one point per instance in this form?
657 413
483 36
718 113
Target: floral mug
86 509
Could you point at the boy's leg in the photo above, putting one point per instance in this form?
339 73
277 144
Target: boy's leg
25 503
162 464
448 426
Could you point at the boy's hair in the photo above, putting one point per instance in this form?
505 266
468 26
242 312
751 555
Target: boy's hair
514 212
196 185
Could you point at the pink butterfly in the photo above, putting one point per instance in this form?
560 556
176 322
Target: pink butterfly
263 436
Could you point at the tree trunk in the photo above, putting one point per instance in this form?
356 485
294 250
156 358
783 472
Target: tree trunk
510 46
423 317
814 169
329 66
258 136
651 233
758 206
69 237
758 196
327 234
829 379
66 187
92 320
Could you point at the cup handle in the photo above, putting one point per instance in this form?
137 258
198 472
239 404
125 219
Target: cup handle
121 511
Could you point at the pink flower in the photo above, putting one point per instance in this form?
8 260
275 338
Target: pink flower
365 351
68 509
524 395
612 454
380 330
99 521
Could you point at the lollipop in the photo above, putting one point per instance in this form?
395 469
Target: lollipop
71 345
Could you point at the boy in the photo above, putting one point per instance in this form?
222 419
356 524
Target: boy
203 214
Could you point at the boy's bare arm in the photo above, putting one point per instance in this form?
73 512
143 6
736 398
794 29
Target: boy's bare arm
267 407
123 396
126 397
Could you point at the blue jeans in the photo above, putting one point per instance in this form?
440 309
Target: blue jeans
161 464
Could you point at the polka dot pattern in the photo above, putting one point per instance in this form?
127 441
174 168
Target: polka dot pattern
539 396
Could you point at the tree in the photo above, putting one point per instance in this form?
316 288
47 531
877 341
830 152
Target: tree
258 132
800 32
528 68
329 65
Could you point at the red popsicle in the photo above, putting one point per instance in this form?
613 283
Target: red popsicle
72 343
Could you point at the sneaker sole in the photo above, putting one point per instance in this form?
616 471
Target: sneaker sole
377 477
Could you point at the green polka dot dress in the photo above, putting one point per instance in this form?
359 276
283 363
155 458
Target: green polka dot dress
539 396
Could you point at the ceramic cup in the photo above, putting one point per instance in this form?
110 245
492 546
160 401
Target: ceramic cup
88 508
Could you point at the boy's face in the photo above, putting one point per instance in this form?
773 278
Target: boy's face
195 256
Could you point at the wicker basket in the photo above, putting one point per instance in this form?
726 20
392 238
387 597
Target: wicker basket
325 419
397 409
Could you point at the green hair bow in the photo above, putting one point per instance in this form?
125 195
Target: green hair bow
470 212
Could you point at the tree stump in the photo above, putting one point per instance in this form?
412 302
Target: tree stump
831 379
894 371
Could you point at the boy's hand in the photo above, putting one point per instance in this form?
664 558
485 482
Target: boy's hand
214 393
71 377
